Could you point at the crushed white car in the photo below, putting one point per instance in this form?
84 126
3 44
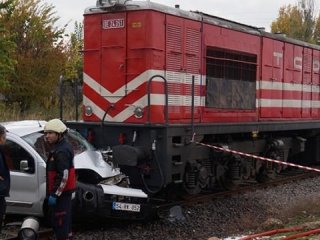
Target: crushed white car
101 187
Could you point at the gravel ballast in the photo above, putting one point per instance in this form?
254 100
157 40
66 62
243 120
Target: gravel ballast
221 218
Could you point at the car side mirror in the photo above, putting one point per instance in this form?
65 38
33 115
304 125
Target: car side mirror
24 165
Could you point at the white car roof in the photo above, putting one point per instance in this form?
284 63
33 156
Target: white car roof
22 128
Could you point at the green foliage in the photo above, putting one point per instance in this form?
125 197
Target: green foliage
298 21
7 46
34 53
39 53
316 34
73 67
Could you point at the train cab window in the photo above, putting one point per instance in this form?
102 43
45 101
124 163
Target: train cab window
14 153
231 79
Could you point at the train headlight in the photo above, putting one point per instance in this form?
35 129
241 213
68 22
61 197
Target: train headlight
138 112
88 111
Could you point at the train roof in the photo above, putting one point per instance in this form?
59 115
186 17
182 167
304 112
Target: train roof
197 16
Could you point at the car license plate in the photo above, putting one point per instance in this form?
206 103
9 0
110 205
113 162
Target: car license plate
126 206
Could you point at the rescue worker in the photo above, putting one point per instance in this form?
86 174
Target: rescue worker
61 181
4 177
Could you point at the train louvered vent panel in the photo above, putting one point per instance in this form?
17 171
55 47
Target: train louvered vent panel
307 59
192 66
174 65
188 91
192 50
174 47
174 89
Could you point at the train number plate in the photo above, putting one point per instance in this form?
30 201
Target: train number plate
126 206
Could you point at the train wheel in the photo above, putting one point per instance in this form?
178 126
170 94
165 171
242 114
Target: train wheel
225 176
270 170
267 173
196 178
274 168
246 169
262 175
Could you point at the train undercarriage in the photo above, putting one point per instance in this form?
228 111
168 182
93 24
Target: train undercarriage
157 157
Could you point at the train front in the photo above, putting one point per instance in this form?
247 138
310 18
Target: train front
123 63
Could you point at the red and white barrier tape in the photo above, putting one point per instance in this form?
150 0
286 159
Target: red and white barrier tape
258 157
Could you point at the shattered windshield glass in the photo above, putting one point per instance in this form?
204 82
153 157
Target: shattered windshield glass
37 141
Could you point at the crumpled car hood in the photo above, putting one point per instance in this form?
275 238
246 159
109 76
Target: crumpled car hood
93 160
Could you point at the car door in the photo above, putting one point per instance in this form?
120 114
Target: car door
27 191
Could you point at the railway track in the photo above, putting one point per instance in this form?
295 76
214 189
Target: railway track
284 178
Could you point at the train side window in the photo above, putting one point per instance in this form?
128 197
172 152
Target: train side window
14 153
231 79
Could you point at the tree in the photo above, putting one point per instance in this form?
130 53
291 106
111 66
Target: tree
308 29
74 68
297 21
39 53
74 64
317 31
7 46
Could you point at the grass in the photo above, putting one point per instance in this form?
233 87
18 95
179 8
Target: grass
13 113
305 213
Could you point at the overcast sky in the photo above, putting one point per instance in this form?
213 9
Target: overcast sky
259 13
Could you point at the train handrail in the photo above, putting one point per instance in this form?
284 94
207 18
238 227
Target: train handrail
166 96
192 106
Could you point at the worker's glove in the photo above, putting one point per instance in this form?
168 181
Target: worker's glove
52 200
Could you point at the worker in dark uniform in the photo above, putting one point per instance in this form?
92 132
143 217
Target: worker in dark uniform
4 177
61 181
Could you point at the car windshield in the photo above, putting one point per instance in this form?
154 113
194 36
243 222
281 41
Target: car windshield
79 143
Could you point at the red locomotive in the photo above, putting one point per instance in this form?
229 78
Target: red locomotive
155 75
